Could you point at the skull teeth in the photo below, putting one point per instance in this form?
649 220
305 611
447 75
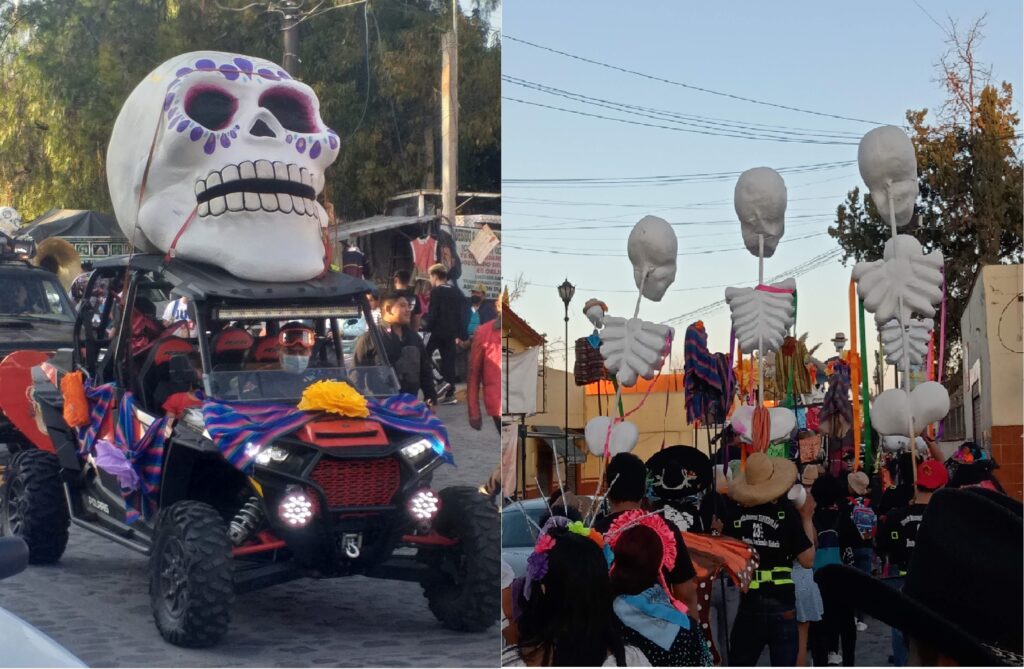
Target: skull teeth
258 177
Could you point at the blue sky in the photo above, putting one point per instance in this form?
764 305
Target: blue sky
872 61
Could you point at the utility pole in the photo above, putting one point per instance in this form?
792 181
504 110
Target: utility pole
450 117
290 30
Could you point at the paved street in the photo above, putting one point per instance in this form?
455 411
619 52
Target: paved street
873 646
94 602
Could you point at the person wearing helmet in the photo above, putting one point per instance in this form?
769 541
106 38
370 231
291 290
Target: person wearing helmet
297 341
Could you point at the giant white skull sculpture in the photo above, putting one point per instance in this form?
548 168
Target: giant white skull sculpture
760 201
236 152
652 248
888 166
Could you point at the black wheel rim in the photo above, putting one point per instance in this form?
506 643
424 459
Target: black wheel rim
173 574
15 506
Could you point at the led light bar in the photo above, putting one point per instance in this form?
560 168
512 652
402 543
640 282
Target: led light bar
285 313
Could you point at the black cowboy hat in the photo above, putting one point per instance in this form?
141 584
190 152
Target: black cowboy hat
679 471
962 595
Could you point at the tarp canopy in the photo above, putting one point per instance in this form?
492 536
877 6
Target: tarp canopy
73 223
373 224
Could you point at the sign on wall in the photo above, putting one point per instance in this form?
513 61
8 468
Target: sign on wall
487 272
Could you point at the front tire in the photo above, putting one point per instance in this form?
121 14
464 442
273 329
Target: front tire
191 588
466 596
34 506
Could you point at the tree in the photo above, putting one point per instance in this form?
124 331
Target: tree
970 179
66 67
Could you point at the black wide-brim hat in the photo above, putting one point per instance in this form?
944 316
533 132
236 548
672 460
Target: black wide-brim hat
964 591
678 472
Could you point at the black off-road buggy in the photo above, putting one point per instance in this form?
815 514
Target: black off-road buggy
335 497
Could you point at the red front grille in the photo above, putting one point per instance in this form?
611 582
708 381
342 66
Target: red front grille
357 482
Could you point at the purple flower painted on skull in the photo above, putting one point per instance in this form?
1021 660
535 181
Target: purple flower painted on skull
238 70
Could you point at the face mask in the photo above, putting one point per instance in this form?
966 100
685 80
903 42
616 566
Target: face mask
476 300
294 363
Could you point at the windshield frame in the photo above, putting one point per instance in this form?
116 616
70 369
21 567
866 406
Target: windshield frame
42 276
204 311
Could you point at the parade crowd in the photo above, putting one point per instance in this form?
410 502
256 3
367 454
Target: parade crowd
650 571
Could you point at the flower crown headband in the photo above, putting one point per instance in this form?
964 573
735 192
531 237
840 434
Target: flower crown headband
537 563
635 518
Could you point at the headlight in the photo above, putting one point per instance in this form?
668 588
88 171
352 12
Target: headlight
269 454
418 450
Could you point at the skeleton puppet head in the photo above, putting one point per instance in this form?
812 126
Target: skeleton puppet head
652 248
888 166
10 220
239 142
760 201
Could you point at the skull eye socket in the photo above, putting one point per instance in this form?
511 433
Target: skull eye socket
210 107
291 109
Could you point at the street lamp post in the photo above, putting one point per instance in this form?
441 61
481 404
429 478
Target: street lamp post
566 291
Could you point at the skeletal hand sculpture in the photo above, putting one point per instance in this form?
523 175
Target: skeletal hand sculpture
236 147
888 166
918 336
760 202
765 312
633 348
904 271
652 248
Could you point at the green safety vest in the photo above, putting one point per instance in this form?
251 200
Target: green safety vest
776 576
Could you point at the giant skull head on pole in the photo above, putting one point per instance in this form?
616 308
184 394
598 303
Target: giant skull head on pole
219 158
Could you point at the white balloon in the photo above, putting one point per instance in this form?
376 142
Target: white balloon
782 423
201 130
652 248
623 439
888 166
894 443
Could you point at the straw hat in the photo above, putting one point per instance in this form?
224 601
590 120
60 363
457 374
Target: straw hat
765 479
810 475
858 482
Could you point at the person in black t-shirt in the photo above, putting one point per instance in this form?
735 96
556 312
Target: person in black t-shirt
768 522
403 349
401 281
629 474
897 536
446 322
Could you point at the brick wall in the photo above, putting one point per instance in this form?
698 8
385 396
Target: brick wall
1008 451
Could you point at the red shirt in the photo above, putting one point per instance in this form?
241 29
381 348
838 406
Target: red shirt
485 368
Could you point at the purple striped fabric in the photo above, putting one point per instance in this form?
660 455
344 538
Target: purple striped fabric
101 398
407 414
238 429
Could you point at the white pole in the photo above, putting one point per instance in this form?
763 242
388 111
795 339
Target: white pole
760 337
906 352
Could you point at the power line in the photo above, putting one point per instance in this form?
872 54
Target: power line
801 269
677 129
692 177
689 86
695 252
684 119
722 221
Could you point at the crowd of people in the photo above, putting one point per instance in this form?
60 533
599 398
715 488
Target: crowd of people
834 552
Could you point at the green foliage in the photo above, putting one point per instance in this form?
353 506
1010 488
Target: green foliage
969 206
66 67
